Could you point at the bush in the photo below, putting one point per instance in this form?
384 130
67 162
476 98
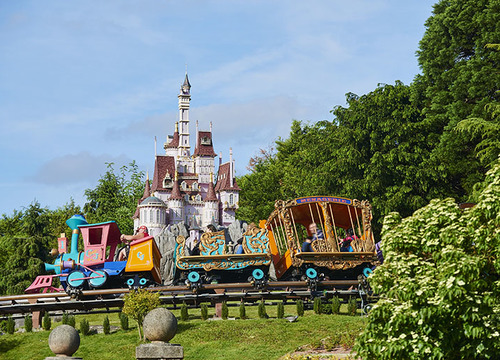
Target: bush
318 306
204 312
262 310
84 327
65 319
335 305
105 325
11 325
300 307
46 321
71 320
138 303
28 323
123 321
280 310
184 312
352 306
225 311
243 311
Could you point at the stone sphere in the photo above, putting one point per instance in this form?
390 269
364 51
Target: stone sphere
160 325
64 340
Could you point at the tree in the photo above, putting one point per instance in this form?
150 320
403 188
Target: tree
138 303
439 288
115 197
459 77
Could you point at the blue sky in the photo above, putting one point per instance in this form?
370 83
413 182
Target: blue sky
83 83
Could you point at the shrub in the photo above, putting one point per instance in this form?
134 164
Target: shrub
123 321
105 325
352 306
225 311
300 307
71 320
318 306
28 323
204 312
11 325
84 327
262 310
184 312
335 305
243 311
280 310
46 321
65 319
138 303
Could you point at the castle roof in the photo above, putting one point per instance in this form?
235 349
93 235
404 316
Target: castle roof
211 193
176 192
224 179
204 146
146 194
163 164
175 141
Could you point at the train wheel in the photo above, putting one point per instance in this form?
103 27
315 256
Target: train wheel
311 273
193 277
76 279
367 271
258 274
98 278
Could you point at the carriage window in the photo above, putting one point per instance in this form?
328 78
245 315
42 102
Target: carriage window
95 236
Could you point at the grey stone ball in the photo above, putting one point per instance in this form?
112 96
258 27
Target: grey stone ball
64 340
160 325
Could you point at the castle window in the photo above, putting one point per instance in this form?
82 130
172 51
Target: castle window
195 186
186 197
183 185
231 199
198 197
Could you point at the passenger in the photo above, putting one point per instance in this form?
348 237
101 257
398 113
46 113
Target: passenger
239 247
315 232
211 228
345 244
195 250
306 245
141 232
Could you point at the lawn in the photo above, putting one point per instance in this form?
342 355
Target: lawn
253 338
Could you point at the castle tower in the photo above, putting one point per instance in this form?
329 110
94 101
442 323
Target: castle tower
184 100
175 203
211 211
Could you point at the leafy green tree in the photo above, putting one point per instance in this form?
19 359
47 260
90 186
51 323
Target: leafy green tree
84 327
28 323
243 311
280 310
459 77
46 321
115 197
224 311
138 303
204 312
439 288
105 326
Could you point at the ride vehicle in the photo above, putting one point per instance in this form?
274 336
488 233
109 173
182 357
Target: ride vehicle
344 249
215 263
95 267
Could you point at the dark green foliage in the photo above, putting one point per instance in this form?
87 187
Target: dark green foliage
64 319
115 197
84 327
439 282
123 321
71 320
224 311
262 310
335 305
46 321
300 308
105 326
11 325
243 312
138 303
280 310
204 311
184 312
352 306
318 306
28 323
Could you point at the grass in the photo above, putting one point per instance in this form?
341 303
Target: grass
223 339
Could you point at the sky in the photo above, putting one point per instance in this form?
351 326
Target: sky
85 82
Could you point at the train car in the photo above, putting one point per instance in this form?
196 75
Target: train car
342 248
95 266
216 264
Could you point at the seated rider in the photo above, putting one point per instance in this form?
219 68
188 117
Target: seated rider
195 250
315 232
306 245
239 247
141 232
345 244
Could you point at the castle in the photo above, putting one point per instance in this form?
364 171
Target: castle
183 184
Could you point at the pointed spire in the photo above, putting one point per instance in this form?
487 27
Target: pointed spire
211 191
186 86
176 192
147 188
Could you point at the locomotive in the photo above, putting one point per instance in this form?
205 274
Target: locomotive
95 267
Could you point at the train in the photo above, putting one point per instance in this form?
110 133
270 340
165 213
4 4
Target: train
342 247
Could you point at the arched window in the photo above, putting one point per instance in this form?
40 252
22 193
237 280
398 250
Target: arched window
183 185
231 199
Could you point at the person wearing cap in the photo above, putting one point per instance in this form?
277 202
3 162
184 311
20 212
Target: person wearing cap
141 232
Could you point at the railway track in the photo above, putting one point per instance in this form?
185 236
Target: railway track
110 299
